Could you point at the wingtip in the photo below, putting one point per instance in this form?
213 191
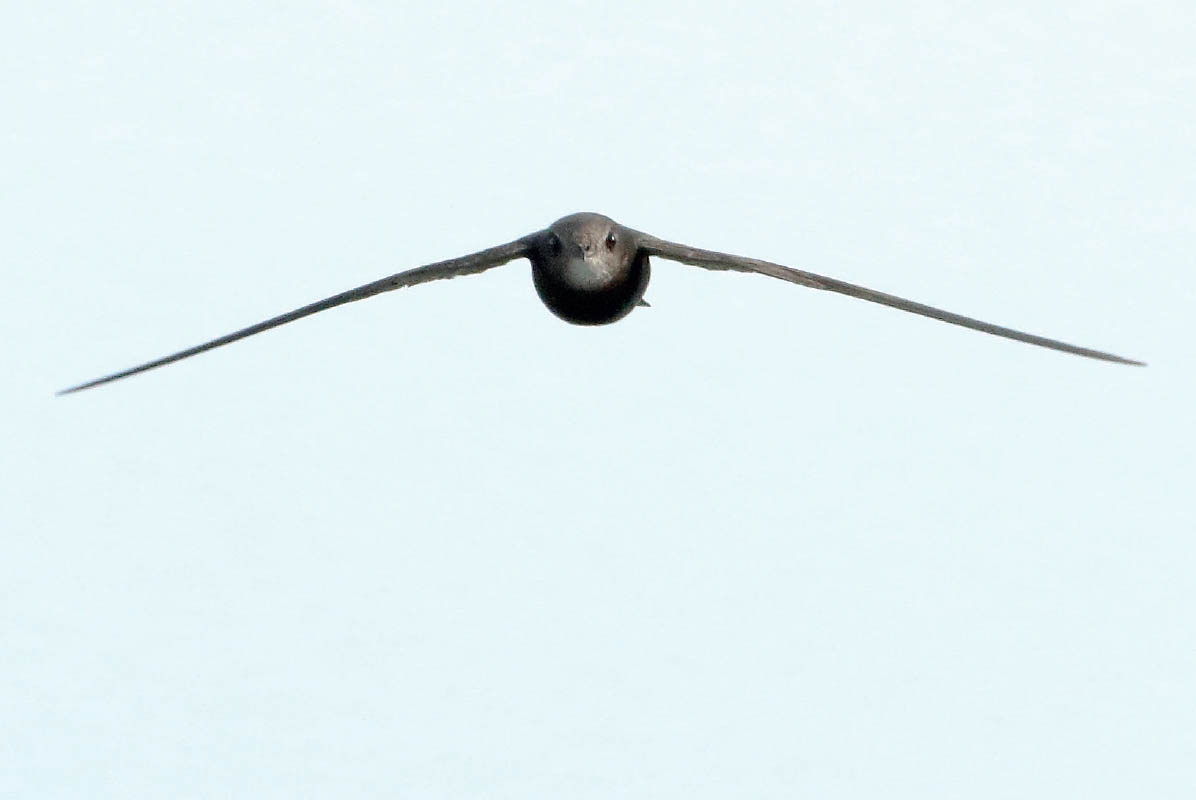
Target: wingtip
80 387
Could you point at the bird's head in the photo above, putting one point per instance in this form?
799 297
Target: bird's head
587 250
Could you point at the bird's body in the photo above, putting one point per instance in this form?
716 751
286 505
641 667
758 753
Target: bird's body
589 270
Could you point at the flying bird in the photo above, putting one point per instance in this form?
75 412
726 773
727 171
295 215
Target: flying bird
590 270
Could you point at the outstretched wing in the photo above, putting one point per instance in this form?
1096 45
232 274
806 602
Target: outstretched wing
454 267
723 261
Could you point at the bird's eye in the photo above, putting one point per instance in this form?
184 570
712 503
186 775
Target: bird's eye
554 244
611 241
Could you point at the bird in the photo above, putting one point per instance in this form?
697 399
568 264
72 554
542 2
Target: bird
590 270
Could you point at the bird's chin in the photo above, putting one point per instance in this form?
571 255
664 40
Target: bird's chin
588 275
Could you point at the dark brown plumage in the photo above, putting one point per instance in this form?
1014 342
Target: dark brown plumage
589 270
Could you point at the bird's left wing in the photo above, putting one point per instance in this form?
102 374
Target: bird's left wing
453 268
710 259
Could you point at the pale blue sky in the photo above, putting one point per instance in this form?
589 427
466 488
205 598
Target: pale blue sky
757 541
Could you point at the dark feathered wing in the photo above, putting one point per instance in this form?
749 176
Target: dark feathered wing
723 261
453 268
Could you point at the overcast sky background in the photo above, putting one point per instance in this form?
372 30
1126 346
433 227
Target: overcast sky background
755 541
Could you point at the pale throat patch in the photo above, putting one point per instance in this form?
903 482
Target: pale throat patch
589 273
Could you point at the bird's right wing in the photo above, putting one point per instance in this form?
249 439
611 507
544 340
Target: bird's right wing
453 268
